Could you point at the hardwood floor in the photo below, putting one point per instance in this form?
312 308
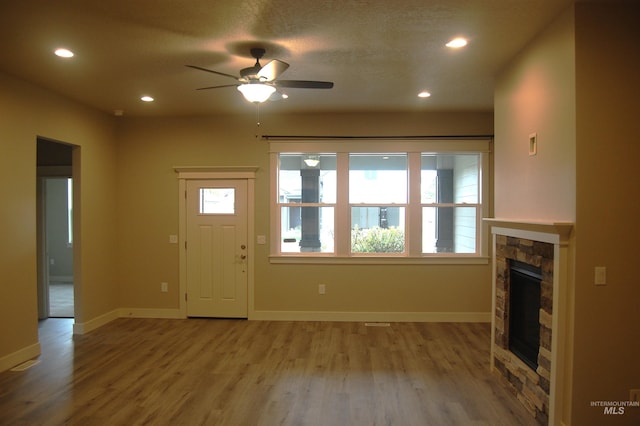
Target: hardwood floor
234 372
61 300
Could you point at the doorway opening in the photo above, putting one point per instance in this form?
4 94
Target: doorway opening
55 230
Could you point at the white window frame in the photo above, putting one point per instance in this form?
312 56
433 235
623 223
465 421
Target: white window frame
413 225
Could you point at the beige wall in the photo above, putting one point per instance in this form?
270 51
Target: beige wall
607 335
28 112
128 206
536 93
576 86
148 213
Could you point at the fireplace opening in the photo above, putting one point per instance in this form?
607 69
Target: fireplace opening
524 311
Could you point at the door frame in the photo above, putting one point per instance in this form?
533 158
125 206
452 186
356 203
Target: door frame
43 173
247 173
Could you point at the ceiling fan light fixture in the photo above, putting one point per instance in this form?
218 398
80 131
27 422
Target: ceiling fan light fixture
63 53
256 92
457 43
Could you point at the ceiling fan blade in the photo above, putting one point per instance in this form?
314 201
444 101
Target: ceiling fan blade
304 84
212 71
218 87
272 70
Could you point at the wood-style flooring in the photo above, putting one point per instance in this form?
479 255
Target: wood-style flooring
60 300
235 372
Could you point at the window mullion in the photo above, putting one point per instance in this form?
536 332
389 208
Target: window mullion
413 231
343 216
274 205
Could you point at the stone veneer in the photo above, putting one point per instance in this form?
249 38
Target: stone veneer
532 388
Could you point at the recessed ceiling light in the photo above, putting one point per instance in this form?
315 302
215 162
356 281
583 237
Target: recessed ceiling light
64 53
146 99
424 94
457 43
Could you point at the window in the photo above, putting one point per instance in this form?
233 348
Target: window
377 202
307 199
413 199
449 196
217 201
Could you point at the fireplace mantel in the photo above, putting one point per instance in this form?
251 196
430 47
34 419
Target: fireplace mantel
559 235
521 226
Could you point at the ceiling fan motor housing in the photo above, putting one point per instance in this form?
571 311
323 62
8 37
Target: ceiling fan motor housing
252 72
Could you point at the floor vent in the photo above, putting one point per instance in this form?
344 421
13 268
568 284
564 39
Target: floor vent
377 324
25 365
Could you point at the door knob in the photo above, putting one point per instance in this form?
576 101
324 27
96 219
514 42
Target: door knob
243 256
243 247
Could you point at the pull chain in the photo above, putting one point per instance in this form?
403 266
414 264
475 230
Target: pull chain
257 119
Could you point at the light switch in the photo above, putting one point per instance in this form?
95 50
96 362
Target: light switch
261 239
173 239
600 275
533 144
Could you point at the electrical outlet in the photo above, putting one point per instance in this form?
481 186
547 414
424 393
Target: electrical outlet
164 287
322 289
634 395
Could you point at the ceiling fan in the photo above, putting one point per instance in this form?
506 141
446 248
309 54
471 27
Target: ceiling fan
259 83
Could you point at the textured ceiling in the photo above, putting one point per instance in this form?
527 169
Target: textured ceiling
378 53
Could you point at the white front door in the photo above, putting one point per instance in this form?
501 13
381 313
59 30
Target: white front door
216 248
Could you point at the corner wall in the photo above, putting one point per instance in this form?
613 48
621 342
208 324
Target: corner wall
28 112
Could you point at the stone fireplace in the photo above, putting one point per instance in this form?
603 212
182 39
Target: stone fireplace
530 384
523 250
523 288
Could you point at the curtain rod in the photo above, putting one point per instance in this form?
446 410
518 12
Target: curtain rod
417 137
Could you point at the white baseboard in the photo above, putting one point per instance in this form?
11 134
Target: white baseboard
20 356
92 324
150 313
85 327
371 316
82 328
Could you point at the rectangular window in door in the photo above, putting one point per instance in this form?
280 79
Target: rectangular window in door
217 201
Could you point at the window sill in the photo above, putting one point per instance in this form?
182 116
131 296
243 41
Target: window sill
431 260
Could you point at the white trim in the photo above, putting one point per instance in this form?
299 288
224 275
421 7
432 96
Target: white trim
371 316
215 173
151 313
390 145
97 322
558 234
378 260
86 327
19 356
255 315
549 232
